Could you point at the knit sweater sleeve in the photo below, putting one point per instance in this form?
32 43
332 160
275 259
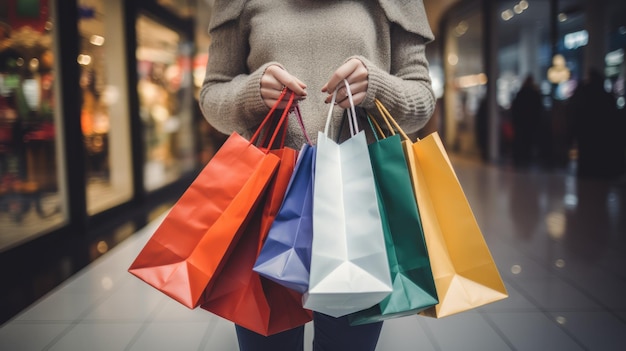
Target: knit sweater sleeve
405 90
230 97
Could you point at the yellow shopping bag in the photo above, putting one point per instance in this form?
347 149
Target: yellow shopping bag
464 271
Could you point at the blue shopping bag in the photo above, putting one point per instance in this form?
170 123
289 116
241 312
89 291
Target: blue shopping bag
286 254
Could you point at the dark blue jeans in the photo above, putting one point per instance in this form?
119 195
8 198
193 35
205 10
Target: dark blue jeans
330 334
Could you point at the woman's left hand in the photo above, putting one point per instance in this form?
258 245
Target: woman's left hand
355 72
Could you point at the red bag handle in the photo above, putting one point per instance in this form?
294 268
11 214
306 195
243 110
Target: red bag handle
279 126
301 122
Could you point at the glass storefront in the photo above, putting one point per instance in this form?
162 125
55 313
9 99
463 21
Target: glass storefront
164 59
31 191
182 8
550 44
105 120
524 56
566 69
99 131
209 139
523 46
616 65
35 197
465 78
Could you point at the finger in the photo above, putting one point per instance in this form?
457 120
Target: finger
270 95
269 80
355 88
340 95
302 85
344 71
271 102
290 82
359 74
356 99
276 78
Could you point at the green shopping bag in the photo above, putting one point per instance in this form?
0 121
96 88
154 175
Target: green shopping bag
412 280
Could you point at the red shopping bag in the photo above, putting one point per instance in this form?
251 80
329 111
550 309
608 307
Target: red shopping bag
243 296
189 248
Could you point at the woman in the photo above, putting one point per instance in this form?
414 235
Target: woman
258 47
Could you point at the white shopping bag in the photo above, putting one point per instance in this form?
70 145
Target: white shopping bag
349 267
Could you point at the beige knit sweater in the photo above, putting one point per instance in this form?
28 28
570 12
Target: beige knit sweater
311 39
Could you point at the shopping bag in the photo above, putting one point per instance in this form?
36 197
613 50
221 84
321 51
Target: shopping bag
241 295
465 273
349 268
187 250
285 256
411 275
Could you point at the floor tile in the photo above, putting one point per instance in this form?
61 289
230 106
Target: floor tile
58 307
308 337
97 337
565 285
220 335
555 294
514 302
30 336
134 301
404 334
518 266
467 331
172 311
93 283
595 330
604 287
533 332
179 336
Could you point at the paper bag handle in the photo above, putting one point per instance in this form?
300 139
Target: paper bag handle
354 127
296 108
280 123
376 129
389 119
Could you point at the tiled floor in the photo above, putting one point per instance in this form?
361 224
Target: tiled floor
559 243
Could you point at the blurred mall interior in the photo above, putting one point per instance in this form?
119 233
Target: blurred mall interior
100 133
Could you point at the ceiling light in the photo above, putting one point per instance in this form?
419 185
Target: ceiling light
507 15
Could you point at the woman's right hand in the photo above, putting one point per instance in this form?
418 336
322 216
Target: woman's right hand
273 81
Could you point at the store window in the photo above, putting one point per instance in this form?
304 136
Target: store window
465 78
524 54
166 102
104 117
573 41
615 69
524 49
31 193
182 8
209 138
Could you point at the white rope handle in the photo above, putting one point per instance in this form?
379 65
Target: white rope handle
354 127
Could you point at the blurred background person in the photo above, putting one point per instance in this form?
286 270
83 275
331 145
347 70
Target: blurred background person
527 112
596 133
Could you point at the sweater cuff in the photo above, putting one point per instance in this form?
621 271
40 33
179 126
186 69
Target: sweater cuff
251 100
375 83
